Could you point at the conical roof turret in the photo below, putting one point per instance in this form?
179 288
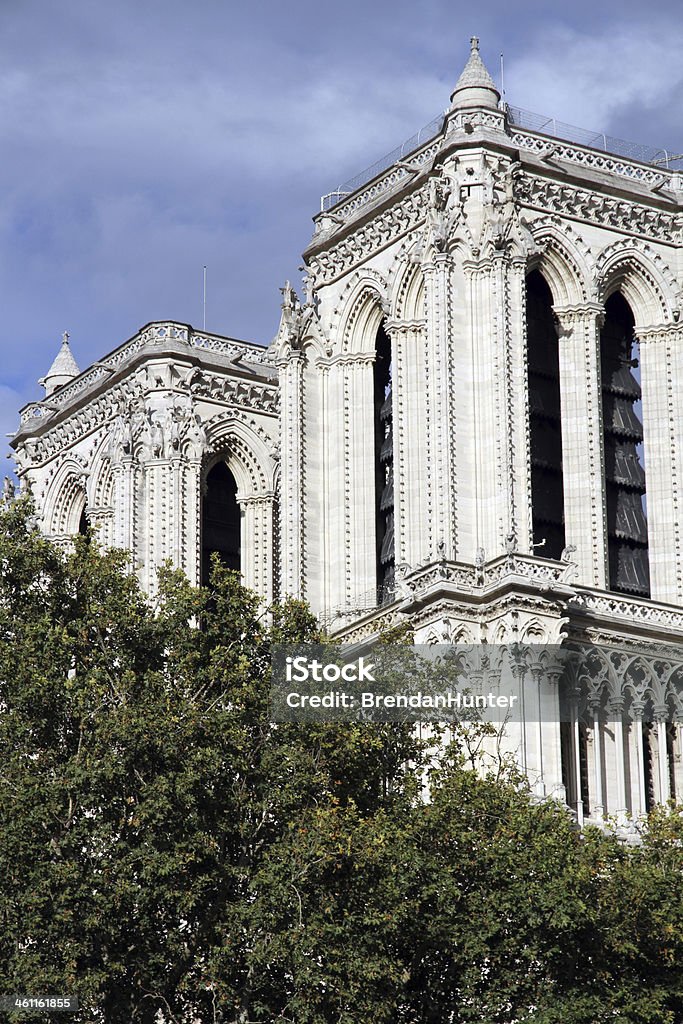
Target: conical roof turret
475 87
63 369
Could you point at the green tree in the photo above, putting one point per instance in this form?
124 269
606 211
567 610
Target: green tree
144 792
165 848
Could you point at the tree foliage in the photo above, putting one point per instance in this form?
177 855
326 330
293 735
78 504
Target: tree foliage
165 849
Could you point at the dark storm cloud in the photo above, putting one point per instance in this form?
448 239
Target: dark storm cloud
143 140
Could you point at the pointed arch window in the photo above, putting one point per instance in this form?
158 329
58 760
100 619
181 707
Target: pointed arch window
545 421
384 468
625 485
221 520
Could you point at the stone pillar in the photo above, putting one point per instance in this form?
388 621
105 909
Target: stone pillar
177 534
535 712
440 384
598 804
582 449
413 524
360 569
192 516
333 488
125 503
662 754
662 389
640 794
156 512
493 453
292 468
257 534
616 708
512 341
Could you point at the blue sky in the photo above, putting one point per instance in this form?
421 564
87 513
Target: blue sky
142 140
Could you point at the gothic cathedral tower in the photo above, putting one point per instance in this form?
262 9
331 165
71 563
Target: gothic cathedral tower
473 422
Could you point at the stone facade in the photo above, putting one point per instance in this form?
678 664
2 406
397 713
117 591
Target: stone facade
397 453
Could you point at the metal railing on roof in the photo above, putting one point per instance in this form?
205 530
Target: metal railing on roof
519 118
399 153
595 140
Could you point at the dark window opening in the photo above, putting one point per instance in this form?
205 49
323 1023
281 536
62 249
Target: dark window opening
384 469
221 526
83 524
568 755
545 423
629 570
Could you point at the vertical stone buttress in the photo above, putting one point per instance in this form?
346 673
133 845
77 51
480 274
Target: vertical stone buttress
293 454
440 384
662 397
582 449
412 481
359 479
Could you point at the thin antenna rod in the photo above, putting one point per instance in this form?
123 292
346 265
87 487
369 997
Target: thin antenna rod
204 305
502 81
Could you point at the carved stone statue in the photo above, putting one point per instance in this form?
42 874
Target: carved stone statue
8 490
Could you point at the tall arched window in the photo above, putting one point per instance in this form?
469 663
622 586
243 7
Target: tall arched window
629 571
221 526
545 422
384 469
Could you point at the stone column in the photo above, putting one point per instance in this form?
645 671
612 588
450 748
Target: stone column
440 383
412 518
125 503
662 389
616 708
582 448
640 757
535 712
513 342
662 754
257 534
292 468
192 514
598 806
156 511
493 453
360 569
177 536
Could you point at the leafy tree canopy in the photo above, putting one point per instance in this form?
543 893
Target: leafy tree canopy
166 853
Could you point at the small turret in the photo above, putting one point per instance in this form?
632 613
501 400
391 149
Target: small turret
475 87
63 369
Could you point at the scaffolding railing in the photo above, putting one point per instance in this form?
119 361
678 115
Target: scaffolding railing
420 137
526 119
517 118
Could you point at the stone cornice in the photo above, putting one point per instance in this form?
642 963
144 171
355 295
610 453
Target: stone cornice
635 216
623 617
387 227
660 332
175 343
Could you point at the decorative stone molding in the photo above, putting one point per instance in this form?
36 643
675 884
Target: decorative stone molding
564 259
378 233
591 158
644 278
154 335
596 208
398 174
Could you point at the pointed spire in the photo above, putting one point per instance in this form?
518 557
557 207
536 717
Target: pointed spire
63 369
475 87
